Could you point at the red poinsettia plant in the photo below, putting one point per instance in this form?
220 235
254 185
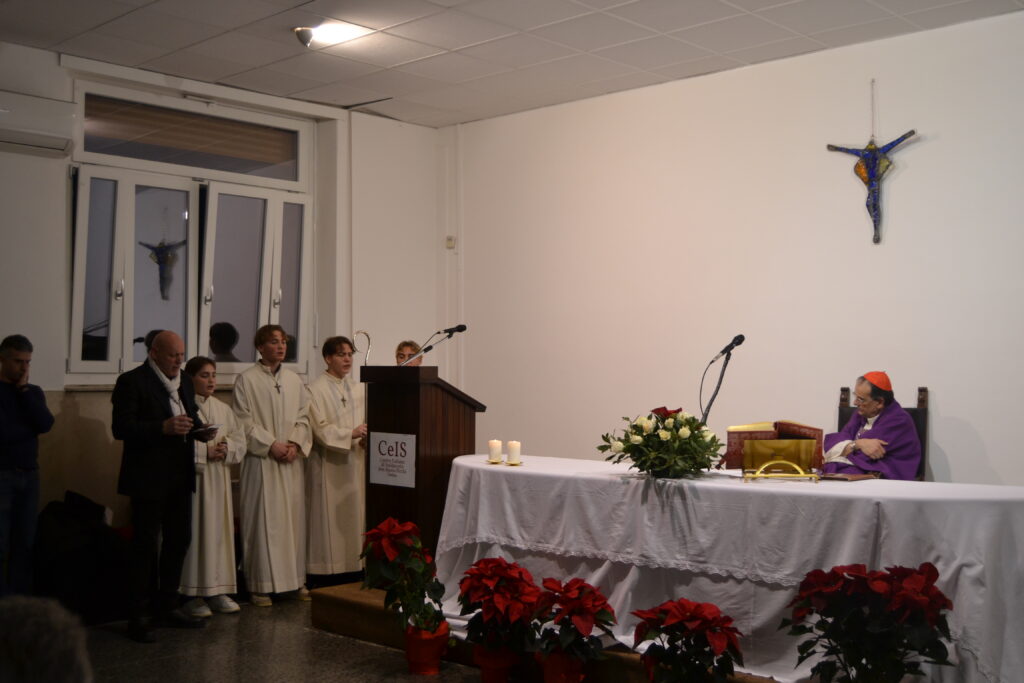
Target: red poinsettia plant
397 563
870 625
688 641
506 601
569 615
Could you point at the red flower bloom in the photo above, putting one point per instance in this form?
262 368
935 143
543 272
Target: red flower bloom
580 602
664 412
503 590
388 535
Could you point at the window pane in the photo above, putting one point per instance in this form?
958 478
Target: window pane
161 263
237 266
173 136
291 276
99 270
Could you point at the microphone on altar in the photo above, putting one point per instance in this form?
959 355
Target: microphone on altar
449 332
736 341
727 352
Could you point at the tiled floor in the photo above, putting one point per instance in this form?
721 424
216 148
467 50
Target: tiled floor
258 644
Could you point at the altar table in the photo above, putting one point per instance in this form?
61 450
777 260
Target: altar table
745 546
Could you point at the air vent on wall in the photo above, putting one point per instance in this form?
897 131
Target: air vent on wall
36 124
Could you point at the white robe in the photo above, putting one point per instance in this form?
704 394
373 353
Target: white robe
210 563
335 490
273 508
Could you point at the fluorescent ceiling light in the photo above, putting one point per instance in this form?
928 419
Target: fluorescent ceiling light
330 34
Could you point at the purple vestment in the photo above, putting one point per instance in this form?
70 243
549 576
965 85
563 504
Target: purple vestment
902 453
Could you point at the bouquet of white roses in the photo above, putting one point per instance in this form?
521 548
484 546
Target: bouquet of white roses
666 443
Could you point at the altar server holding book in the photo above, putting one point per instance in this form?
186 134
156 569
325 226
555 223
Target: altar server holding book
210 569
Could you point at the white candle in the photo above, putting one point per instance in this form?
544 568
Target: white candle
495 450
513 452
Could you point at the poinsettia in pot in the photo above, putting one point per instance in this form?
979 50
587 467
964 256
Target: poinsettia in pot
569 616
666 443
870 626
687 641
397 563
505 600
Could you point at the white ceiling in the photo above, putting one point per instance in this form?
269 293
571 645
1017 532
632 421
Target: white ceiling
452 61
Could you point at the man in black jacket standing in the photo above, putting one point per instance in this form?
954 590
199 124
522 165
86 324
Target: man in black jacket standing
155 415
23 417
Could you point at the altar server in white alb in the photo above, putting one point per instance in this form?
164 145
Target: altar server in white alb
271 404
335 490
209 570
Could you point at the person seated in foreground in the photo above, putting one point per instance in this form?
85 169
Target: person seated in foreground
879 438
407 350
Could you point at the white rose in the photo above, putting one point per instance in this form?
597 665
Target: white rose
685 415
669 422
684 433
636 438
616 446
664 434
648 426
707 433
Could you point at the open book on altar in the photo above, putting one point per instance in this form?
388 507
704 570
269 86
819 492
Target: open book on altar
773 431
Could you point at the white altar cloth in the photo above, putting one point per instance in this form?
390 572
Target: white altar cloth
745 546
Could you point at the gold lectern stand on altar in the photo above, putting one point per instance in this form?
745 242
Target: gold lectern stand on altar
779 459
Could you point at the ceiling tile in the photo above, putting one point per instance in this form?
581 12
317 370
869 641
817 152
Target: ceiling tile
323 68
783 48
338 94
906 6
196 66
42 24
814 16
734 33
518 50
863 33
650 53
108 49
383 49
640 79
241 48
451 97
560 73
524 14
670 15
373 13
451 30
753 5
224 13
452 67
592 32
395 83
965 11
147 25
448 3
699 67
271 82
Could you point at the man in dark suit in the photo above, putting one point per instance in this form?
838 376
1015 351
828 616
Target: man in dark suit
155 416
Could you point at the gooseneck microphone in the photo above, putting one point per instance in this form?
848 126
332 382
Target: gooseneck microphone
453 330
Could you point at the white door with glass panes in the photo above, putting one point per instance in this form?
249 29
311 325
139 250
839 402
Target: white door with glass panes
135 266
256 263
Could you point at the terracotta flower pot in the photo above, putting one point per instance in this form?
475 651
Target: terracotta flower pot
423 649
495 665
560 667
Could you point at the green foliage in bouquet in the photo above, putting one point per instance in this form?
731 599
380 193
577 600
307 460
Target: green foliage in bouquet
667 443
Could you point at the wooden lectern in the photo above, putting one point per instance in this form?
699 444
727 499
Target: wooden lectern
413 400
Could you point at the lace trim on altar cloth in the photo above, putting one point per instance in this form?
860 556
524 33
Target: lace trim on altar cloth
625 558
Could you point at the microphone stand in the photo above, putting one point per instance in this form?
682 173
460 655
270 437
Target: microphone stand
721 375
425 349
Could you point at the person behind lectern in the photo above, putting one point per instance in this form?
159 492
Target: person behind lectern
407 350
879 438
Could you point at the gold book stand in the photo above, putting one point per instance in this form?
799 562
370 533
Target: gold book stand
779 459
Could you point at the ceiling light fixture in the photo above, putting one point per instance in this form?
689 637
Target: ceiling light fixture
329 34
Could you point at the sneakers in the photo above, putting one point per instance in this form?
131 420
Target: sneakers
196 607
304 594
260 600
223 604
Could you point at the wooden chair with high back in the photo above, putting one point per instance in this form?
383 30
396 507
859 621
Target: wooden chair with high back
919 414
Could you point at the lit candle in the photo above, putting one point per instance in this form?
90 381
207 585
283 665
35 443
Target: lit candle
513 452
495 450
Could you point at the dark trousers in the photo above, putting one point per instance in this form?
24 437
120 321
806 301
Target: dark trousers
162 531
19 506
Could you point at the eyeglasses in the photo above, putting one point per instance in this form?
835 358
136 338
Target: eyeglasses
862 399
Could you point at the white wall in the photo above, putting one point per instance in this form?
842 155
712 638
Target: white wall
612 246
397 244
